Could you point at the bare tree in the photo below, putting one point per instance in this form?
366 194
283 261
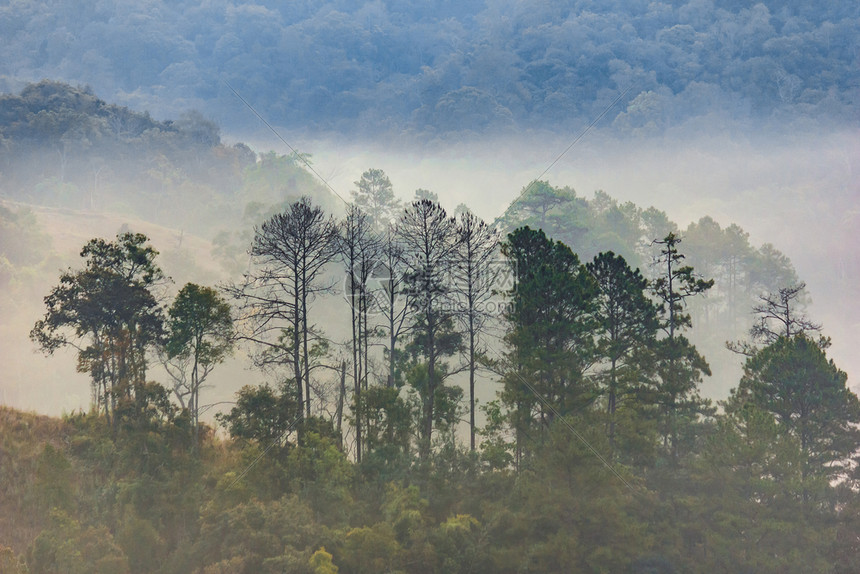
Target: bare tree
289 254
359 248
778 315
430 243
396 303
473 270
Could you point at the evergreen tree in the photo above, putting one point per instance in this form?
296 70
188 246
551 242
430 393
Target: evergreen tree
793 380
374 195
747 489
627 330
549 334
679 365
430 243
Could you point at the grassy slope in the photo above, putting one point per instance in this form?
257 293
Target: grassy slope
70 229
50 385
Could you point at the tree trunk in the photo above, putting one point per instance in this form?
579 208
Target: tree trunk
307 372
340 400
471 383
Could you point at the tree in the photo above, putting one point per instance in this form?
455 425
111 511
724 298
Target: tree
679 365
68 546
677 283
360 250
679 369
421 193
708 250
612 227
770 269
53 484
550 328
736 259
375 196
748 497
396 305
429 240
474 272
290 251
10 563
109 313
655 223
778 315
276 179
387 422
23 242
199 337
321 562
626 332
262 415
793 380
540 206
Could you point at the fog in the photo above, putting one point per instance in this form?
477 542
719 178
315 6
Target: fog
797 191
191 123
726 111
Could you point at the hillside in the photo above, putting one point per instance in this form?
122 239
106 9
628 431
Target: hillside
198 200
69 229
23 440
434 68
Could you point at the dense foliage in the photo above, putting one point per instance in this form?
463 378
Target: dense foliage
430 68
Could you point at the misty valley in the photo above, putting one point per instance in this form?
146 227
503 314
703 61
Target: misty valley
244 370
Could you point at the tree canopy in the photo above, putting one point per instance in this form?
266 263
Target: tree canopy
441 66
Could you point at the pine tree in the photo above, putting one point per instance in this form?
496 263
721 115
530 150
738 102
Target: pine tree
627 330
679 365
550 327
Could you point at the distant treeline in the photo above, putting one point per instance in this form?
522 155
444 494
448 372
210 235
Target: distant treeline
63 146
428 68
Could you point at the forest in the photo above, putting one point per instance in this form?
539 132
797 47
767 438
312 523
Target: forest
426 69
440 394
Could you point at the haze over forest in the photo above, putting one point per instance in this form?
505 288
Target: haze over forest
745 114
608 125
423 69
